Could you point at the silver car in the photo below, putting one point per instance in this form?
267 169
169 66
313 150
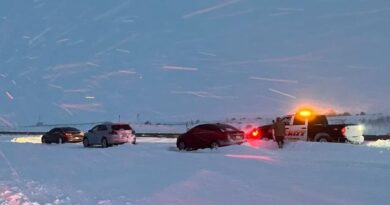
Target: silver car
109 134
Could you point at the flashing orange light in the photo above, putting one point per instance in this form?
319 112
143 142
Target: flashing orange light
305 113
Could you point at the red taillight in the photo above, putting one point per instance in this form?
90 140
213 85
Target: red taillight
68 134
255 133
344 130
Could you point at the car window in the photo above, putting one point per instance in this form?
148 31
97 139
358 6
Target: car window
70 129
196 128
94 129
286 120
210 128
207 128
319 120
52 130
56 130
298 121
102 128
121 127
201 127
227 128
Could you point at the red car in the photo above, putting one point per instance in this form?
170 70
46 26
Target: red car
210 136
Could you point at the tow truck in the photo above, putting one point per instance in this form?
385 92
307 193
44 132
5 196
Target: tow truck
307 126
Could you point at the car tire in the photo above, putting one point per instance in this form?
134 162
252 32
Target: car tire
86 142
44 140
104 143
214 145
181 145
322 138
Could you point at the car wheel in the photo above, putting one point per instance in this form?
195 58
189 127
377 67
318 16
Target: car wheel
60 140
43 140
104 143
86 142
323 139
182 146
214 145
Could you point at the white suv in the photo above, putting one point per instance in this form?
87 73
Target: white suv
109 134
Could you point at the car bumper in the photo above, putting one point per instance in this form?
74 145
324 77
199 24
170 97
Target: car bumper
75 139
122 140
231 142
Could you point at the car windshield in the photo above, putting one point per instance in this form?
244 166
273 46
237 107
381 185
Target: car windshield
227 128
121 127
70 129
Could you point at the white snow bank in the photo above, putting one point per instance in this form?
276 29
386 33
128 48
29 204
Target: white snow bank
156 173
379 144
37 140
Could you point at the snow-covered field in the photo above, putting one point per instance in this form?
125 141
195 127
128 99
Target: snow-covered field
154 172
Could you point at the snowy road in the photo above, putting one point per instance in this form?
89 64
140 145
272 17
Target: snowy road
154 172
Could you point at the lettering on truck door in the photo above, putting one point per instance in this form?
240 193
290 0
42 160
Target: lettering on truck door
297 129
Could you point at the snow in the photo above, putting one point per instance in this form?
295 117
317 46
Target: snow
380 144
154 172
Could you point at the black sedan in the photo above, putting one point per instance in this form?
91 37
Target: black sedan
210 136
62 134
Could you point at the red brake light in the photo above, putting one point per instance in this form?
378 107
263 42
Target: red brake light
68 134
255 133
343 131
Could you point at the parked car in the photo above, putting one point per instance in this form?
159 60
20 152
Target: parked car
210 136
62 134
108 134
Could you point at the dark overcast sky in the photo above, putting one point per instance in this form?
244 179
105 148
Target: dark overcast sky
88 60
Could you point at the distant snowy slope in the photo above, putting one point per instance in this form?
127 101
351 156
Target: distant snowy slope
375 124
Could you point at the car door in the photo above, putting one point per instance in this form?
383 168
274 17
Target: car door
49 135
208 134
55 135
297 129
93 135
102 132
205 135
191 139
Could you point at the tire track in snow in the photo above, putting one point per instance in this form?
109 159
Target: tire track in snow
12 169
16 191
12 194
